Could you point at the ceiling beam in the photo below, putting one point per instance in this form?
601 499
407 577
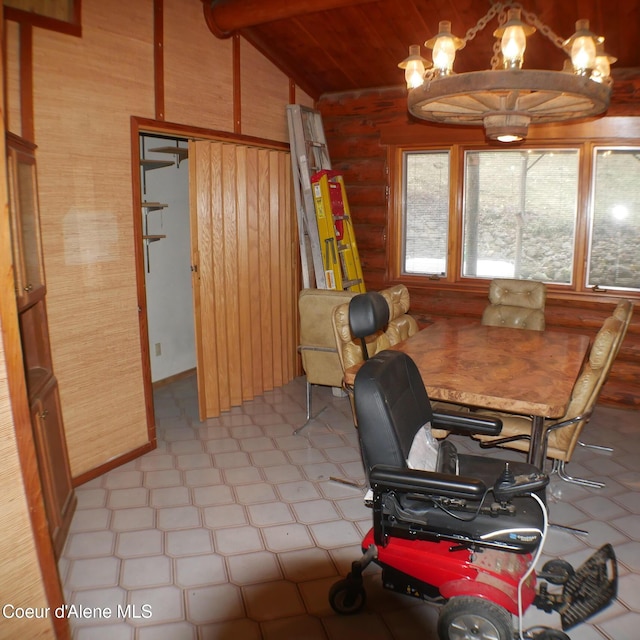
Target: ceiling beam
223 17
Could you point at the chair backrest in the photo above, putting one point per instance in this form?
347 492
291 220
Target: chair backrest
516 303
368 313
587 388
391 404
623 312
320 359
401 325
373 315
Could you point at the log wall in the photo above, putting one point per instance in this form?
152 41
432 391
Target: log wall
357 127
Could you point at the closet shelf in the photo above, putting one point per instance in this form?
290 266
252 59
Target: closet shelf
180 152
154 206
147 164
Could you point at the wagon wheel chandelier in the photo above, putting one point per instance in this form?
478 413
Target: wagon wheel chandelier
507 98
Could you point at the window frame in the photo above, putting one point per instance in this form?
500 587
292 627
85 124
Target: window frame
454 280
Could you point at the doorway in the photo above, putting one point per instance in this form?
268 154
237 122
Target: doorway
216 263
164 188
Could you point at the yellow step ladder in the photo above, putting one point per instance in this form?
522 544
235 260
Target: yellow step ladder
337 240
330 261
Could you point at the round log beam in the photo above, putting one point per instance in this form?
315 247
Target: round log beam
224 17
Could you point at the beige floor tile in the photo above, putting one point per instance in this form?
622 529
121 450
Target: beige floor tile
233 629
270 513
253 568
237 540
272 600
233 529
139 543
169 497
313 511
287 537
307 564
242 475
298 627
185 517
155 605
199 571
227 515
188 542
145 572
214 603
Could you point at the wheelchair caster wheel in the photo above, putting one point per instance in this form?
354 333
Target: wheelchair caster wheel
469 618
557 571
347 597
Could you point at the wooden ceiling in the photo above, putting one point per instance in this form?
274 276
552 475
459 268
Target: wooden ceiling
329 46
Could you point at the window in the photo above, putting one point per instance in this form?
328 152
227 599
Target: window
614 250
519 214
426 193
523 213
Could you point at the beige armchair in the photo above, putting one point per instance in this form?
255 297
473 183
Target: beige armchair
317 348
561 437
516 303
401 325
349 349
622 312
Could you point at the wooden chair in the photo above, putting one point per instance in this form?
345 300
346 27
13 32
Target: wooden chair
516 303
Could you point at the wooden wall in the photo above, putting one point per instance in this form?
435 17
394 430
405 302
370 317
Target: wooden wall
85 91
27 577
358 127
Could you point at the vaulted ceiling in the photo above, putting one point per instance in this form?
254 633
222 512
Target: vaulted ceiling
329 46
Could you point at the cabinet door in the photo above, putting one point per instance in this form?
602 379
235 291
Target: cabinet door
53 463
25 222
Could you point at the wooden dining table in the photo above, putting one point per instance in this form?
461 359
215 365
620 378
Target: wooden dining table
519 371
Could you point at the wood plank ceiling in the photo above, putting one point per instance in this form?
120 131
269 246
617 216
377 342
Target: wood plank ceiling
329 46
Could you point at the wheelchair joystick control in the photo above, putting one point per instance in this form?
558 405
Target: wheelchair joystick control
506 478
509 485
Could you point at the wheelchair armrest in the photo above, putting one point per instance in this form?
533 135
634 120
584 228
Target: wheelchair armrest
430 483
466 423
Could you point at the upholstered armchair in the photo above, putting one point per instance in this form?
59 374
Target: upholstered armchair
350 350
401 325
562 436
516 303
320 359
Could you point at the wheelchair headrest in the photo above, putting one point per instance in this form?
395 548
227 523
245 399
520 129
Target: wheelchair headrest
368 313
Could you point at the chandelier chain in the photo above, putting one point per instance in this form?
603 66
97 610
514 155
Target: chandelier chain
545 30
483 22
499 8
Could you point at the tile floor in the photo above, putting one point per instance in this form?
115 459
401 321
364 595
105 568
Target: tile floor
233 529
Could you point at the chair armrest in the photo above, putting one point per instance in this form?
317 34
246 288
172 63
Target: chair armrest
566 423
430 483
466 423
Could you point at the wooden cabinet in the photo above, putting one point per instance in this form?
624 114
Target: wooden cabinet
53 462
42 386
25 222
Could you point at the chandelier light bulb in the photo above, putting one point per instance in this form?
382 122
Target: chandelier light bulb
414 67
583 48
602 68
444 46
514 39
513 46
444 53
